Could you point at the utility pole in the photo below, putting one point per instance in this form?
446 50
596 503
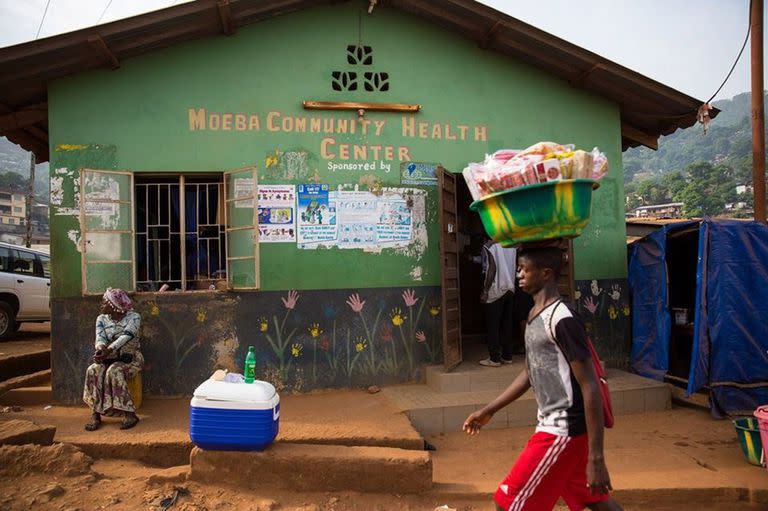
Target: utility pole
758 110
30 198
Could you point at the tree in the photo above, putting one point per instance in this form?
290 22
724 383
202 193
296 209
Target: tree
707 189
13 181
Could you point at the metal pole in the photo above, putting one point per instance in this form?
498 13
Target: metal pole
30 198
758 111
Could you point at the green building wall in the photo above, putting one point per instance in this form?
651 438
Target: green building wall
145 117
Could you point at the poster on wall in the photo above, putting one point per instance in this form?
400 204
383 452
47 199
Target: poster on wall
315 215
243 188
393 218
277 218
395 222
358 216
372 222
417 173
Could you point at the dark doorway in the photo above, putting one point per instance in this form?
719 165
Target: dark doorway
682 259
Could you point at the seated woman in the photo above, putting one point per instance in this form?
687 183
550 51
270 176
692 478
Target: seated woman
117 359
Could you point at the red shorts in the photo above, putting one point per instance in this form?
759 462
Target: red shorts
549 467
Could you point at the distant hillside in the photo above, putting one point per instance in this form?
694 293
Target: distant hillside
15 159
728 140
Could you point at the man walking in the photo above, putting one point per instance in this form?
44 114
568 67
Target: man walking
564 457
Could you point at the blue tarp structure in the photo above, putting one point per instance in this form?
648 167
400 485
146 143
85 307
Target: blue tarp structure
730 343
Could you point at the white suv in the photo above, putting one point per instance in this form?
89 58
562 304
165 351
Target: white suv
25 287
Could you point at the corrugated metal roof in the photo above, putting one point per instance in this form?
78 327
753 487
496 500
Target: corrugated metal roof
648 108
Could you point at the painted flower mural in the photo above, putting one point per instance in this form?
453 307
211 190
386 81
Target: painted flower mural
355 303
397 317
409 297
604 307
361 341
314 330
371 337
281 339
590 305
291 300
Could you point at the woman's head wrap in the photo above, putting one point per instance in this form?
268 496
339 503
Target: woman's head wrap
118 299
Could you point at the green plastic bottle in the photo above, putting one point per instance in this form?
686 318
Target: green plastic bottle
250 365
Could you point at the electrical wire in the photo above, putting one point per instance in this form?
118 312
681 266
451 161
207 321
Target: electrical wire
738 57
746 38
43 19
104 11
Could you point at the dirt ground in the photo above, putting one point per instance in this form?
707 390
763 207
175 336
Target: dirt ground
61 478
32 337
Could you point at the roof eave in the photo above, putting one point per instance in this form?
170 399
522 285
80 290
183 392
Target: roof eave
649 111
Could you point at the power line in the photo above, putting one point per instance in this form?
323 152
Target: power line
746 38
42 20
104 11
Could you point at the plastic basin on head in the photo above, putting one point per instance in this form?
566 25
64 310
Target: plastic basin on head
541 211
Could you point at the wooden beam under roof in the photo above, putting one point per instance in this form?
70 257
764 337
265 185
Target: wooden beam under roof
98 43
485 42
30 143
638 136
24 117
225 17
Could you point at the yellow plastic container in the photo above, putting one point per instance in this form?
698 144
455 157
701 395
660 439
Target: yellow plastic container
135 388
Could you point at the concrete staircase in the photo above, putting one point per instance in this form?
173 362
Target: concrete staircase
442 404
25 369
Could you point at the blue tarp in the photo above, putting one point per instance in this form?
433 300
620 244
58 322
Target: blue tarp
730 345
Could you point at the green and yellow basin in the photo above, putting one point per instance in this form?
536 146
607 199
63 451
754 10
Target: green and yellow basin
541 211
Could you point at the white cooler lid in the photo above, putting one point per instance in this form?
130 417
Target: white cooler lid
256 392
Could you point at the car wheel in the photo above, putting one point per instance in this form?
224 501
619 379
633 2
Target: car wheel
7 320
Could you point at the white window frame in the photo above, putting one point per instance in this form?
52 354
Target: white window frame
227 175
84 231
253 226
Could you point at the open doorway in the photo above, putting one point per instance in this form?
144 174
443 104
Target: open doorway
465 227
682 260
471 238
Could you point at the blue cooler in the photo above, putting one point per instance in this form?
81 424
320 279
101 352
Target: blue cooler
234 416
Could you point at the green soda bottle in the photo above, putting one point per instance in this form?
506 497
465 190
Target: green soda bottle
250 365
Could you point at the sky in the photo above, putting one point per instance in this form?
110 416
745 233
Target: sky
686 44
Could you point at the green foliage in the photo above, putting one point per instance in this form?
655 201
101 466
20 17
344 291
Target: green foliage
700 170
13 181
729 139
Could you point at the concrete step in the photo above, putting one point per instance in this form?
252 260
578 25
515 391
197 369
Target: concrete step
27 380
19 364
304 467
442 404
28 396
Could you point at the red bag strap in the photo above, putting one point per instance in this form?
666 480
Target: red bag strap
592 351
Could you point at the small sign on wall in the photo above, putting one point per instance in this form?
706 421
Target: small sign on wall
316 215
417 173
277 213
